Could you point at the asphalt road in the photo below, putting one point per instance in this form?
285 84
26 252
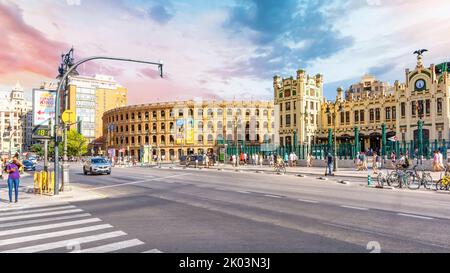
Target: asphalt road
176 210
223 211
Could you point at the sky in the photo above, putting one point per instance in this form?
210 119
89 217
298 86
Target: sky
227 49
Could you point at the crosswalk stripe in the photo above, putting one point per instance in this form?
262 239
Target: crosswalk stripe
36 215
155 250
51 226
66 243
113 247
34 211
43 220
52 234
25 207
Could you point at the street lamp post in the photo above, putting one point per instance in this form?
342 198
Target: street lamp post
334 114
62 82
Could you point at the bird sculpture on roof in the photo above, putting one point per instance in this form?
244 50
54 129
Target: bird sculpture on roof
420 52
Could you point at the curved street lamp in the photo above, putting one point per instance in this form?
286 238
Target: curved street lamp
62 82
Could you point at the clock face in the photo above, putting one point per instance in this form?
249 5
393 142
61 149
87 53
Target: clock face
420 84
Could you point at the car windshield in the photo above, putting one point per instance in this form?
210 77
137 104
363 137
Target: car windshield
26 162
99 161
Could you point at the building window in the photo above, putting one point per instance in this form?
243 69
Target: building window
287 93
356 116
132 116
342 118
200 112
427 107
371 115
312 119
288 106
219 112
163 126
394 113
439 106
377 114
347 117
361 116
229 112
388 113
281 120
420 108
440 136
413 108
132 128
154 114
311 105
295 119
281 107
403 109
295 105
329 120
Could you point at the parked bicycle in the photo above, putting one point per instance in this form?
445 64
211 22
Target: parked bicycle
419 177
444 182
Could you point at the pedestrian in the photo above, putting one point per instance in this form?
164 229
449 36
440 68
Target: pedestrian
436 161
261 159
13 178
286 158
329 161
375 159
233 160
440 161
206 161
309 160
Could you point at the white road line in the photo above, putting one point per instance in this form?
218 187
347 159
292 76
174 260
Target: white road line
308 201
52 234
36 215
46 227
34 211
51 219
25 207
66 243
113 247
273 196
352 207
139 182
415 216
155 250
244 192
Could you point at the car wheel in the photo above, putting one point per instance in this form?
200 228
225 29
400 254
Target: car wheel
84 171
91 172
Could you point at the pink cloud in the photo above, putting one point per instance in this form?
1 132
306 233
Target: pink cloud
25 49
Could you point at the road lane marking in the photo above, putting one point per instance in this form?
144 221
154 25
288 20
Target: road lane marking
139 182
65 243
25 207
36 215
244 192
46 227
113 247
52 234
352 207
34 211
273 196
415 216
43 220
155 250
308 201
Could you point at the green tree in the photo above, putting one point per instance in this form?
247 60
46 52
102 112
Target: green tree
37 148
76 145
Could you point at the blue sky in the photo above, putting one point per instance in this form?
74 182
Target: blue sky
222 49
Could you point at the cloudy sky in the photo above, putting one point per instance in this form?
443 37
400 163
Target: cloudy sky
221 49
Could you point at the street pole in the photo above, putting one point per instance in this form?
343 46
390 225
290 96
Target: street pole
58 102
335 145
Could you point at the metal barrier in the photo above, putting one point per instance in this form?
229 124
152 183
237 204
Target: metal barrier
44 182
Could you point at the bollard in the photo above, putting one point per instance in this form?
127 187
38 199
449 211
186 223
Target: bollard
369 180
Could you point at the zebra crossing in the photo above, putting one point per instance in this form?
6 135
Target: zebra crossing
61 228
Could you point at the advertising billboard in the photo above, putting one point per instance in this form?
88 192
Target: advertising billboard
43 106
190 131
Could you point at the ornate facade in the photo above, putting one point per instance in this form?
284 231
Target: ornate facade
172 129
372 108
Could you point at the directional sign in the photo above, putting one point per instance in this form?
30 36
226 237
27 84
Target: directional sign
68 117
43 106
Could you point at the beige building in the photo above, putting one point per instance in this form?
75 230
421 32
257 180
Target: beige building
367 107
15 130
299 102
173 129
90 97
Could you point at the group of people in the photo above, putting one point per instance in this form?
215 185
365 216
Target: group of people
10 170
438 161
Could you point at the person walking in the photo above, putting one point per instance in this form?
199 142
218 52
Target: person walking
329 161
13 179
441 160
436 161
375 161
309 160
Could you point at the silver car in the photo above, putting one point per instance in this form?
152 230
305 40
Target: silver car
97 165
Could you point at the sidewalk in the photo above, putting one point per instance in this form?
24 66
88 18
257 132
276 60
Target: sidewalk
313 171
29 199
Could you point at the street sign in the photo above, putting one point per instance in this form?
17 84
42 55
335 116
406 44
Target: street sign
68 117
43 106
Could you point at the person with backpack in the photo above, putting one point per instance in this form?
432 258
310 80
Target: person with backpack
329 160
